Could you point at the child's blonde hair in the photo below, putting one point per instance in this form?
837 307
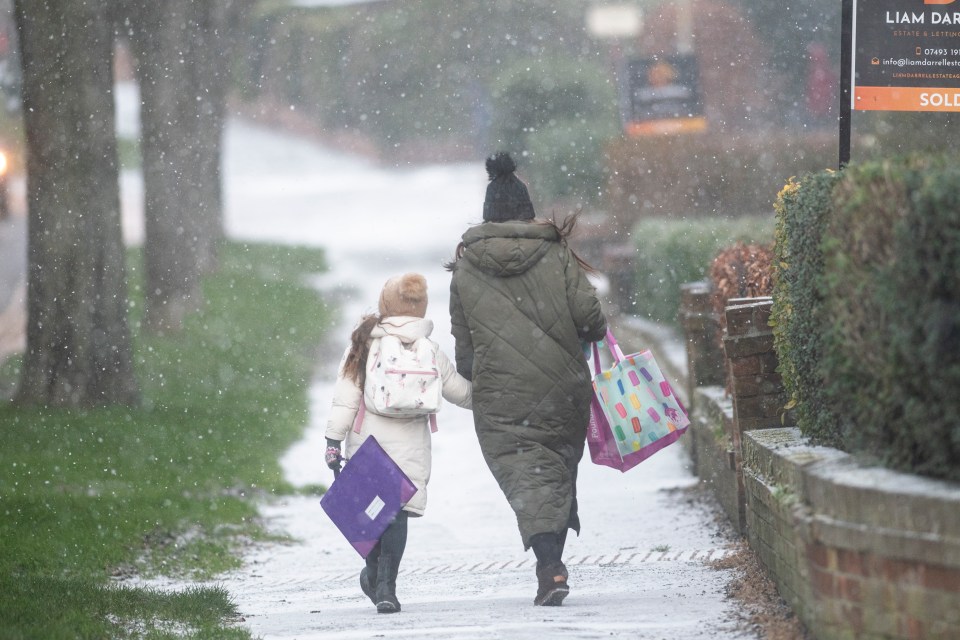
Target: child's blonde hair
404 295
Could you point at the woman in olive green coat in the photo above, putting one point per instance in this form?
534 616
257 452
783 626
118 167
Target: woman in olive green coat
521 308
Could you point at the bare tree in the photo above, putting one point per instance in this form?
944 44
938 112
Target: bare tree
78 341
181 48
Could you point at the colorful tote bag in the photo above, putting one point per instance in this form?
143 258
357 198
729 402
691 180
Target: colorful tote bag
634 412
367 495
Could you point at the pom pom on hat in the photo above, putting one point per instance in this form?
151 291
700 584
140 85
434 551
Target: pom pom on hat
404 295
507 198
500 164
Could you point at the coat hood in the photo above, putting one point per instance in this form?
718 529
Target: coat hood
407 328
508 248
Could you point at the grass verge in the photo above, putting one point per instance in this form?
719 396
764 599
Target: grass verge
164 488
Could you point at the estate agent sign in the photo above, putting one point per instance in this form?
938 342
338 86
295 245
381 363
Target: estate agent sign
665 95
906 55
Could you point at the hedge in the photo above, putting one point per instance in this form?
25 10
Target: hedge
672 252
803 207
867 310
892 294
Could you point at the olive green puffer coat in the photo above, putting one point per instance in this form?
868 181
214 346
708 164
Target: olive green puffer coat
521 307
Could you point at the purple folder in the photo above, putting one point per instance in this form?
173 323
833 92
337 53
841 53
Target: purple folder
366 496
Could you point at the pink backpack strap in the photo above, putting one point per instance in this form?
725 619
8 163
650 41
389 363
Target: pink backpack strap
362 412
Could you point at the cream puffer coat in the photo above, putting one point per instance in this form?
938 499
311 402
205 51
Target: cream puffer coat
406 440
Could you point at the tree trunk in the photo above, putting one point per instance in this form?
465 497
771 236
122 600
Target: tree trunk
218 27
183 71
160 38
79 350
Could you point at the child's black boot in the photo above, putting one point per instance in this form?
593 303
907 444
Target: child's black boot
368 575
386 596
392 544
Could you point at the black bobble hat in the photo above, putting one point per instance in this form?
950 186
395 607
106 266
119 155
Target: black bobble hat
507 198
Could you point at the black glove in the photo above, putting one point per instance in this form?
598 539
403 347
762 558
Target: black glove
333 457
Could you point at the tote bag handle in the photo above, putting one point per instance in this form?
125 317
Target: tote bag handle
614 351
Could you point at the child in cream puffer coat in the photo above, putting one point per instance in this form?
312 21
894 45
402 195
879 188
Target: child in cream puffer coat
403 305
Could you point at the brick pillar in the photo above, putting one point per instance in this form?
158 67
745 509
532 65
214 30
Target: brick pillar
758 394
705 364
753 381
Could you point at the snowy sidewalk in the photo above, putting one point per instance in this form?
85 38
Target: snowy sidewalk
643 574
639 570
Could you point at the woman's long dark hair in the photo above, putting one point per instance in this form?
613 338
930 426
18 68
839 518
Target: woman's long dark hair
564 230
355 365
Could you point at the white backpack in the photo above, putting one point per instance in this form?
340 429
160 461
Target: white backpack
403 380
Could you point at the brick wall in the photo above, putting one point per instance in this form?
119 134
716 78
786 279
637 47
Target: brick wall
711 427
857 551
705 360
706 365
758 395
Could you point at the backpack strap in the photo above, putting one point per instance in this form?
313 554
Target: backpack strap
363 392
363 411
360 414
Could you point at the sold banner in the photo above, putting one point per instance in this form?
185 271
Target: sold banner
906 55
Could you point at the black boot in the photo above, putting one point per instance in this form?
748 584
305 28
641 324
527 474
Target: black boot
392 544
552 585
368 575
386 597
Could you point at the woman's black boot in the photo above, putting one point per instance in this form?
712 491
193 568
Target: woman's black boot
552 585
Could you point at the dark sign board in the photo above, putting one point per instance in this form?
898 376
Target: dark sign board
906 55
665 95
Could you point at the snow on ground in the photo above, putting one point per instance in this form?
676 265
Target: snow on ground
638 571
